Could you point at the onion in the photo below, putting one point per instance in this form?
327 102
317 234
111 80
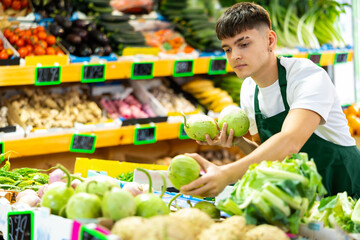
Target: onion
57 176
24 193
75 183
30 199
42 190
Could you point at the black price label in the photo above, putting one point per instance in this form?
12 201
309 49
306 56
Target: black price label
341 57
145 135
183 68
183 134
47 76
90 234
217 66
2 152
83 143
315 58
142 70
93 73
20 225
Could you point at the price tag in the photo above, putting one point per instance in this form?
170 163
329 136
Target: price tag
83 143
2 152
20 225
183 68
90 234
142 70
145 135
93 73
287 55
341 57
217 66
183 134
315 58
47 76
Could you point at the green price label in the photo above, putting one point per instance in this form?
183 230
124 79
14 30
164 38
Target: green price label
144 70
93 73
183 68
20 225
145 135
47 76
182 134
217 66
91 234
83 143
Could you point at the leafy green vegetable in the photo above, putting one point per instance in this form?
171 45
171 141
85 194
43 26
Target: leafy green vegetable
276 192
126 177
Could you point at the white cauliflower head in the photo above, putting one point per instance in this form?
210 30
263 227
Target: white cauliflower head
126 227
266 232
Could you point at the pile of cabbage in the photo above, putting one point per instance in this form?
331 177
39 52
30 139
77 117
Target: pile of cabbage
278 193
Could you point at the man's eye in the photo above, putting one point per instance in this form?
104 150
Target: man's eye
244 45
227 50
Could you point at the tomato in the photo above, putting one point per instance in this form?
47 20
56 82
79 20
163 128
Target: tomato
4 55
43 43
7 32
24 3
30 55
1 47
42 35
29 47
50 51
60 52
40 29
1 42
20 42
16 5
28 33
23 52
7 3
39 50
10 52
13 39
34 40
51 40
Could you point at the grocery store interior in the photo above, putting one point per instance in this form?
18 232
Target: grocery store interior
97 101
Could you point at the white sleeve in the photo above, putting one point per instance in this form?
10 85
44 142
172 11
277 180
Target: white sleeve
247 103
312 89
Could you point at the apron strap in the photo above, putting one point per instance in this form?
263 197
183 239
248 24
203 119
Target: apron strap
282 84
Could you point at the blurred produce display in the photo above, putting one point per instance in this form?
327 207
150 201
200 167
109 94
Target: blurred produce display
232 84
5 52
14 8
220 156
3 117
32 41
169 99
128 107
53 109
352 114
211 97
192 19
303 23
80 38
50 8
92 7
133 6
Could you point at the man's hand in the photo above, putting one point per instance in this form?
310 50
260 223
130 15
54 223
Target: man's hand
210 184
222 140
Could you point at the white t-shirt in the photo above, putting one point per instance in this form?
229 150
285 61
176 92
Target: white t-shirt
308 87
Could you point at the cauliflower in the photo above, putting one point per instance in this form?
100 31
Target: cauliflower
164 227
266 232
233 228
126 227
195 217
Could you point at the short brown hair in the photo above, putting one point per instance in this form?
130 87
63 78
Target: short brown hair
240 17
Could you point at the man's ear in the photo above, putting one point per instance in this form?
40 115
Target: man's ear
272 39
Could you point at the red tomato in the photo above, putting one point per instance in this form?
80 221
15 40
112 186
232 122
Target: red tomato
20 42
7 32
42 35
4 55
51 40
24 3
1 42
7 3
50 51
39 50
29 47
16 5
23 52
13 39
43 43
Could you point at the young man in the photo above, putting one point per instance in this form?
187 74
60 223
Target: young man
292 106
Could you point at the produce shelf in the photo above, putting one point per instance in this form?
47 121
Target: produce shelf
33 146
16 75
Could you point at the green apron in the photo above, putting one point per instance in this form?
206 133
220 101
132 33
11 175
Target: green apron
338 165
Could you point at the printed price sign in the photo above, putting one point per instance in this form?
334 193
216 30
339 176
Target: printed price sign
341 57
142 70
145 135
83 143
47 76
217 66
315 58
183 68
183 134
90 234
20 225
93 73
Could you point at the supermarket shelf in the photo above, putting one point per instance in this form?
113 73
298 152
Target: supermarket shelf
33 146
16 75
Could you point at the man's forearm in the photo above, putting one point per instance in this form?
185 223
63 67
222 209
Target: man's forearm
245 145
